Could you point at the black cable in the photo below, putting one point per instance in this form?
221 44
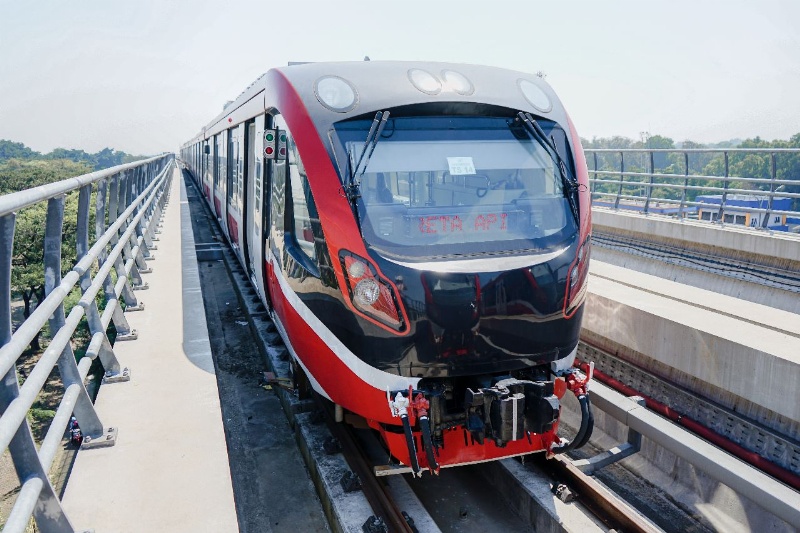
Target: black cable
585 416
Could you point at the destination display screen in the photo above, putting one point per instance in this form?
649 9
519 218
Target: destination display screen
466 223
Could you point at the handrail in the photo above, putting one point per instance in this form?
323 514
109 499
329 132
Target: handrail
20 199
131 197
630 181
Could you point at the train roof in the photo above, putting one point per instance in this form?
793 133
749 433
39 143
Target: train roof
389 84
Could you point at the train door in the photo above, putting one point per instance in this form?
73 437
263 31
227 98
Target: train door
207 171
221 179
214 174
234 194
230 188
248 162
252 199
262 190
277 170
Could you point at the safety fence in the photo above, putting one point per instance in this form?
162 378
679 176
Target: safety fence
107 269
753 187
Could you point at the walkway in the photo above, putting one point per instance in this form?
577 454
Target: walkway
169 469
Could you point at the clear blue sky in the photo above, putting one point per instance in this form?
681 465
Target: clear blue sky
144 75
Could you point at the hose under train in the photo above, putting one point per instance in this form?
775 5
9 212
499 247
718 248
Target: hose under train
585 431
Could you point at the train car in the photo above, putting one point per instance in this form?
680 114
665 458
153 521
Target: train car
420 233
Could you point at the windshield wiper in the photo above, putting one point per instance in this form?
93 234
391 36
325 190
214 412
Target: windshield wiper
353 185
570 183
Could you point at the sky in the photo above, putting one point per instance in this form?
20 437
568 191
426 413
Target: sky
143 76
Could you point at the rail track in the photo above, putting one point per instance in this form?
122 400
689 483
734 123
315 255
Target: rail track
740 269
564 487
562 482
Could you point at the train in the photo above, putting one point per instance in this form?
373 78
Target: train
420 235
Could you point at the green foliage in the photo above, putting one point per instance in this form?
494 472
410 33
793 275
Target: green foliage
27 273
10 149
18 174
105 158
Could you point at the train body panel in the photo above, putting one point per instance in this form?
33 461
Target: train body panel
420 235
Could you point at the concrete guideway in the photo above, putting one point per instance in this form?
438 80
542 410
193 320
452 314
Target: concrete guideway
740 353
169 468
781 247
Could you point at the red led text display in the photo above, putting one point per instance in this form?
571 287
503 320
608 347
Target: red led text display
487 222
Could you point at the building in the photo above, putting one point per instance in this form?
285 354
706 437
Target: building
655 207
739 210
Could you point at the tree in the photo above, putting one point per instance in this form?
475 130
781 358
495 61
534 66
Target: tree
27 271
10 149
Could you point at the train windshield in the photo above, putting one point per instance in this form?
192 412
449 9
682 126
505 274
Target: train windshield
441 187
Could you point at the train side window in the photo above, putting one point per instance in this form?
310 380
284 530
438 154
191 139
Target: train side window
231 166
215 161
302 218
278 196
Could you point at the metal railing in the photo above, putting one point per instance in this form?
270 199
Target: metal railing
662 181
131 197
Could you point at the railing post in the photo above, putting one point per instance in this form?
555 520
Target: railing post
119 265
147 243
685 184
594 182
650 185
724 198
7 224
36 495
773 175
106 202
127 254
126 197
68 369
621 178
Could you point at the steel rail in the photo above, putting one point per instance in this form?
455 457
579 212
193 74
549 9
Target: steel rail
18 408
21 199
605 504
36 321
372 487
137 191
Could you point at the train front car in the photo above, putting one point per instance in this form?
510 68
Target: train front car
451 223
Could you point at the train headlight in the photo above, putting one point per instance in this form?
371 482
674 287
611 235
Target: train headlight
457 82
356 270
424 81
535 95
373 296
573 276
335 93
366 291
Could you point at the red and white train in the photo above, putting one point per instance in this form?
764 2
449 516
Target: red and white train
420 233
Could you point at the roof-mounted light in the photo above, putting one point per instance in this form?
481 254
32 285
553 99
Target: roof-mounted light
457 82
424 81
336 94
535 95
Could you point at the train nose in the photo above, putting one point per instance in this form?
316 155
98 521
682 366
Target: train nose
452 301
